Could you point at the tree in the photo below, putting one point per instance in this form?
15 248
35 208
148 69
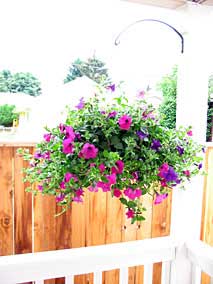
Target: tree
19 82
93 68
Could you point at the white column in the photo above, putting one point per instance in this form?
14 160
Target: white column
191 110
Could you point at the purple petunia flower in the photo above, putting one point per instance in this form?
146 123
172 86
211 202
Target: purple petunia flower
200 166
81 104
46 155
111 87
180 150
142 135
125 122
112 114
89 151
38 155
156 145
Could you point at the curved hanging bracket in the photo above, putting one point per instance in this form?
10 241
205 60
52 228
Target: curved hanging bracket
117 40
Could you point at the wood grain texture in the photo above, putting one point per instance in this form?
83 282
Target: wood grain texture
113 231
44 225
161 218
22 208
6 201
207 214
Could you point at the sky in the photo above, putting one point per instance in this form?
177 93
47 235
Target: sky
44 37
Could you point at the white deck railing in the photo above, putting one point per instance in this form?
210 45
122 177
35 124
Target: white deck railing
67 263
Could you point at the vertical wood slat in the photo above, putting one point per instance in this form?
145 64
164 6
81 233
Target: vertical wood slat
144 231
113 220
78 229
148 271
22 208
161 217
123 276
207 214
6 201
96 218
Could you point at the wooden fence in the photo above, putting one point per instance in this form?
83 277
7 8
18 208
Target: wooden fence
207 218
27 224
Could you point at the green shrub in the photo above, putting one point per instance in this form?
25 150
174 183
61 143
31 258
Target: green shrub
19 82
7 115
93 68
167 109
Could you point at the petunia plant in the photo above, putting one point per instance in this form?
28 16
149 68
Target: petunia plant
115 147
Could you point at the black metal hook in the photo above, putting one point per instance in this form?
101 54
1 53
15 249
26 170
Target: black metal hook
117 40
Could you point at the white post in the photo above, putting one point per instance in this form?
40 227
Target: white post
191 110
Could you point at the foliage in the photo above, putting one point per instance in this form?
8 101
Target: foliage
93 68
117 147
7 115
19 82
167 109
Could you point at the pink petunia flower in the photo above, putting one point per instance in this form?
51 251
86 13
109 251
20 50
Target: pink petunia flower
102 168
187 173
89 151
47 137
117 192
118 169
40 187
130 213
125 122
62 185
69 132
160 197
132 193
60 197
68 176
111 179
105 186
189 133
67 146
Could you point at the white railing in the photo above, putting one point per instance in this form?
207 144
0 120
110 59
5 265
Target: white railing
67 263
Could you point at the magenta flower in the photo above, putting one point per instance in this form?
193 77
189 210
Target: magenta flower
81 104
93 188
111 179
102 168
187 173
67 146
69 132
89 151
118 169
112 114
47 137
125 122
130 213
60 197
62 185
189 133
38 155
105 186
168 174
40 187
135 175
46 155
160 197
61 127
117 192
79 192
68 176
77 199
132 193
